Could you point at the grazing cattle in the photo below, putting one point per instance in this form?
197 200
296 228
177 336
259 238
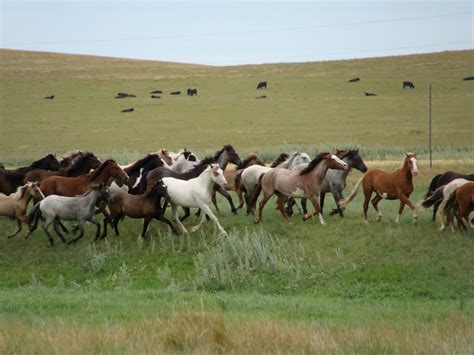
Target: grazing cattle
156 92
353 80
370 94
396 185
122 95
128 109
155 97
408 84
261 97
175 93
262 85
49 97
468 78
192 92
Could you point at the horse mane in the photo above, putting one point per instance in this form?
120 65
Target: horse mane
100 169
281 158
19 193
78 166
204 162
139 163
219 152
249 158
313 164
350 153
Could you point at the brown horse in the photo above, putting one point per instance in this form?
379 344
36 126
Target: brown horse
230 175
164 154
396 185
10 180
72 186
84 163
146 206
15 205
289 183
461 204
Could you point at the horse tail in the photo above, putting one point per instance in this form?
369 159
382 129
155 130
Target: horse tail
433 186
34 216
451 206
344 202
258 189
238 176
435 196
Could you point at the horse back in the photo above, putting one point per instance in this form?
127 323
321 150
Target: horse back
387 182
64 186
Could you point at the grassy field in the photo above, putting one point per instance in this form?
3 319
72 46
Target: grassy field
342 288
307 104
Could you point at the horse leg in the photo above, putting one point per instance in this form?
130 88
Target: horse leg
304 205
187 213
201 221
289 206
400 211
97 224
321 201
18 230
314 200
174 213
375 202
405 200
338 197
45 226
208 212
435 209
162 218
80 227
56 229
224 193
368 195
238 191
146 222
281 206
262 204
213 198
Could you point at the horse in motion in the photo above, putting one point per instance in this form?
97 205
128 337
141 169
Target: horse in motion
78 208
461 204
396 185
15 205
195 193
306 183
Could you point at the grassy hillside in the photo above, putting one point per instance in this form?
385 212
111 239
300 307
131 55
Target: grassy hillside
307 103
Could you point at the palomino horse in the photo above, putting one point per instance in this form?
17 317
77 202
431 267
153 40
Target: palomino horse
10 180
164 154
195 193
146 206
249 176
441 180
78 208
73 186
396 185
440 196
461 204
306 183
15 205
335 180
82 165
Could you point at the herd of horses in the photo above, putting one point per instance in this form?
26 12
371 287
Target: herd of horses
79 186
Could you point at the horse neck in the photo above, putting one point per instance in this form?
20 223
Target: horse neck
205 179
288 163
319 172
25 200
405 172
103 177
222 160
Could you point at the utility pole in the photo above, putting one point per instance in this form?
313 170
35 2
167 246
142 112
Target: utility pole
431 158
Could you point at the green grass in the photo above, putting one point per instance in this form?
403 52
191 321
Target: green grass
307 104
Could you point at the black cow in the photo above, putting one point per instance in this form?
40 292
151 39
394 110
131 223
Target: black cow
49 97
128 109
262 85
468 78
156 92
370 94
155 97
175 93
353 80
192 92
121 95
408 84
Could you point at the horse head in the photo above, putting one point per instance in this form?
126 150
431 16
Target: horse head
410 160
159 189
232 156
35 192
333 162
354 160
217 175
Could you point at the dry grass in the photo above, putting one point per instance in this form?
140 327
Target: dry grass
193 331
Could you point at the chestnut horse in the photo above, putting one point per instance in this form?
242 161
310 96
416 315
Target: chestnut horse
396 185
73 186
461 204
289 183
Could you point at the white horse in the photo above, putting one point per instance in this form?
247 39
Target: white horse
195 193
250 175
79 208
183 161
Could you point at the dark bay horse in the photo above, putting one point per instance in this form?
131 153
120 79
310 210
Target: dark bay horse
80 166
73 186
139 169
396 185
441 180
11 179
289 183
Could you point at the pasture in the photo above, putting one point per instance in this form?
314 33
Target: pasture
306 288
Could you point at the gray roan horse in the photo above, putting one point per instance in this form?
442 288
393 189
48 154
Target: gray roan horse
334 182
79 208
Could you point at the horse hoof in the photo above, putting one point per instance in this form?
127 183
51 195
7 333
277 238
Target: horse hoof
10 236
257 221
366 222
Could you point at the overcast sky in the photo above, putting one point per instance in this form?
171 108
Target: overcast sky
229 32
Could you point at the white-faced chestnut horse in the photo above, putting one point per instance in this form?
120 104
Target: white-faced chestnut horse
396 185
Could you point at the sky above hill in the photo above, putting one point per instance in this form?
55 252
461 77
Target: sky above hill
230 32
